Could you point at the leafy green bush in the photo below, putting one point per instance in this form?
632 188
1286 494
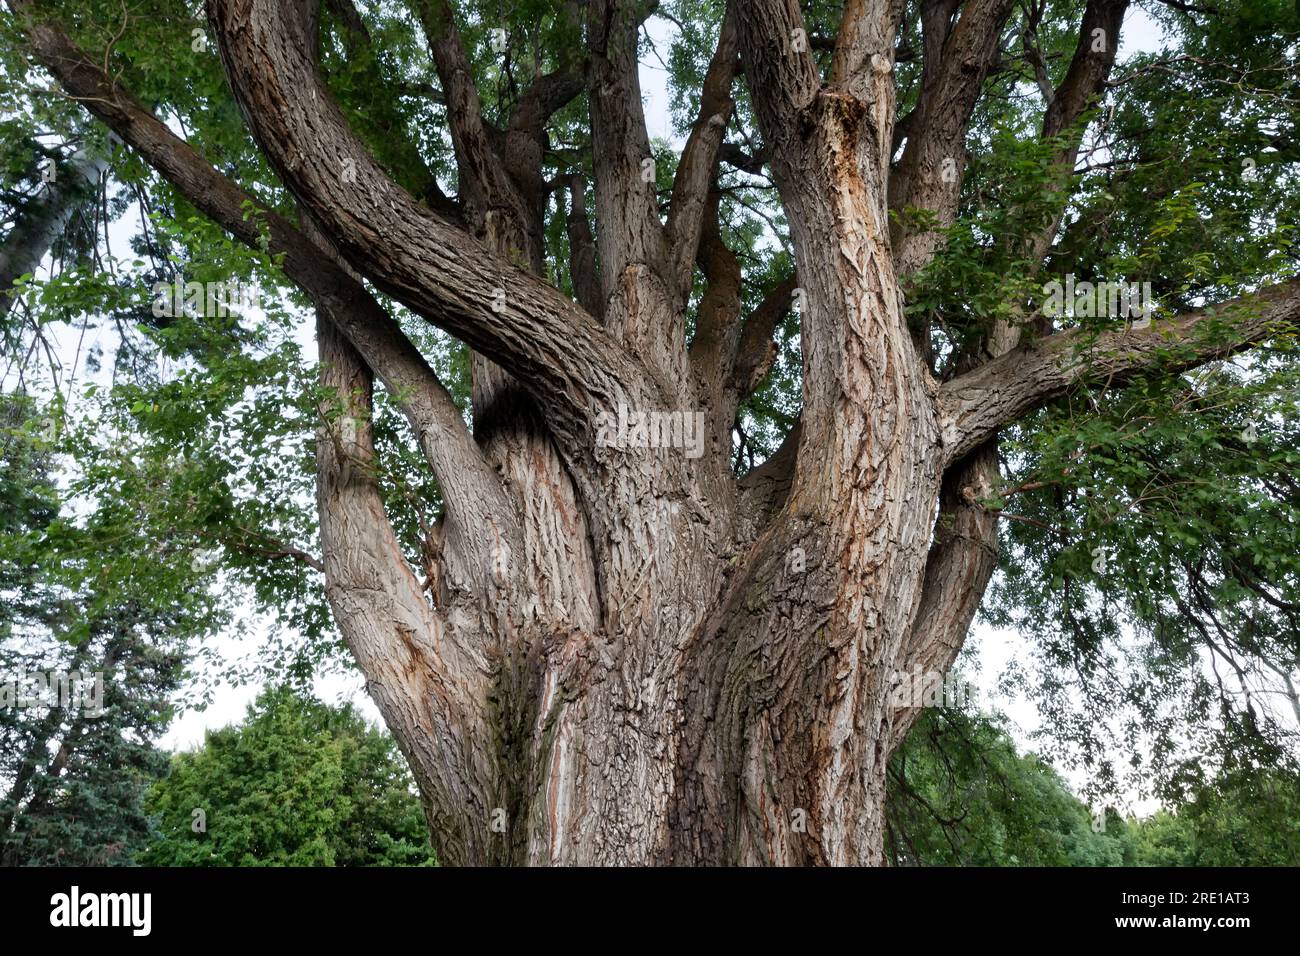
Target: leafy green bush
299 783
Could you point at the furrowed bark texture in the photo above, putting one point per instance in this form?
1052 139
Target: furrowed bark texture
616 652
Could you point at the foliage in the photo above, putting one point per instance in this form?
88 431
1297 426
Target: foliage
1245 820
299 783
962 795
73 770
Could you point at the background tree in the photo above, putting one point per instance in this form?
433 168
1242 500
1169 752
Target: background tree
74 769
299 783
961 795
1233 821
634 655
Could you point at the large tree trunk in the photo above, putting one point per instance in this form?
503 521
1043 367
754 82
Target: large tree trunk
730 705
725 694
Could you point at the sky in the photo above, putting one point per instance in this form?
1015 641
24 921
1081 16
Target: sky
993 648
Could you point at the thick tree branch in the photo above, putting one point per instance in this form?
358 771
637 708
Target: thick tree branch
756 351
717 329
780 71
479 514
864 44
1084 82
964 552
764 490
628 232
582 249
425 680
1094 57
502 169
737 158
698 165
929 174
547 94
484 185
994 395
641 292
397 143
350 17
936 23
43 219
499 171
429 683
473 495
559 353
960 563
717 321
522 146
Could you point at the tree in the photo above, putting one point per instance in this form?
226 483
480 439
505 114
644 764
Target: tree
45 220
1232 821
299 783
619 642
85 689
960 795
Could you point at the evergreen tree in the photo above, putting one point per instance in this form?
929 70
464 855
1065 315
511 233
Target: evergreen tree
299 783
76 750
